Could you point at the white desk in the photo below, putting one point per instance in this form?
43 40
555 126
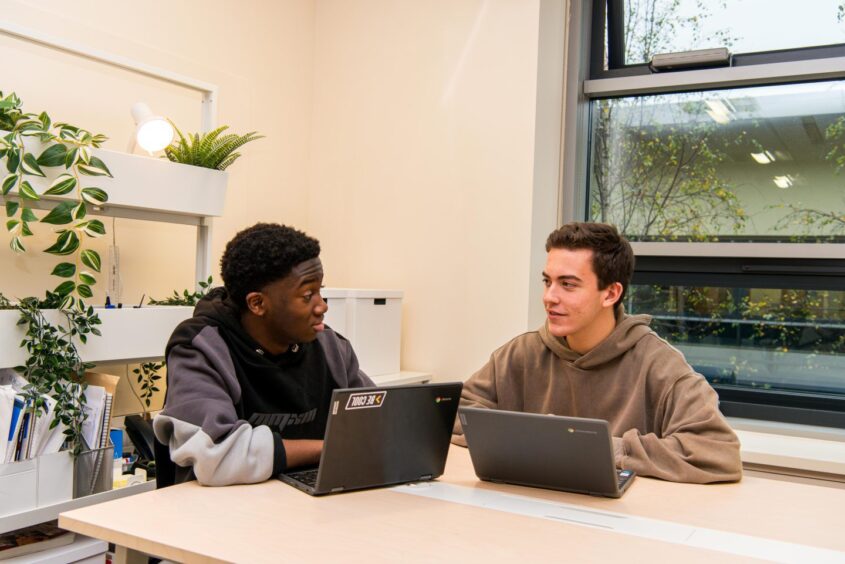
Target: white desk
272 522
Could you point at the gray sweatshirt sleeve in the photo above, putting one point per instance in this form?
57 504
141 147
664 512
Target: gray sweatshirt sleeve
199 422
342 362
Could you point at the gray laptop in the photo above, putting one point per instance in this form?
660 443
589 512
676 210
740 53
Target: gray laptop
382 436
545 451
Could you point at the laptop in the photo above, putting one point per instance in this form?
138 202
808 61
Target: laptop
544 451
382 436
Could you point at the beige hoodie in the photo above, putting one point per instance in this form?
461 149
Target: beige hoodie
664 417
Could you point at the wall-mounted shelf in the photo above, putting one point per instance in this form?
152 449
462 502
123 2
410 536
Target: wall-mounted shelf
129 334
149 189
142 188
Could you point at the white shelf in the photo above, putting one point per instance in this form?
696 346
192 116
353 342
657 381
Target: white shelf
142 188
50 512
129 334
146 187
82 549
401 378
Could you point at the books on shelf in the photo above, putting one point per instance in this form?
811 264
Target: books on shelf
25 434
33 539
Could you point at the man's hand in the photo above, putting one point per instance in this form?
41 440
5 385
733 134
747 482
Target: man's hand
302 452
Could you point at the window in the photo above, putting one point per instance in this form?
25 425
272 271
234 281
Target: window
730 183
746 164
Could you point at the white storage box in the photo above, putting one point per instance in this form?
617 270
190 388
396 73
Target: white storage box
372 321
37 482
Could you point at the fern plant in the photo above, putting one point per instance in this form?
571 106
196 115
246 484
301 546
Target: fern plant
209 150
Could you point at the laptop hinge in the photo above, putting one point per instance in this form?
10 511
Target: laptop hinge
425 477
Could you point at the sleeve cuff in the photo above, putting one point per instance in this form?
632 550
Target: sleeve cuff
280 459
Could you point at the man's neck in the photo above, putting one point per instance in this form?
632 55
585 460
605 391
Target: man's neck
589 338
254 327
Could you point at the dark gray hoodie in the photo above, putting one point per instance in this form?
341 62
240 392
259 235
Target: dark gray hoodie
229 404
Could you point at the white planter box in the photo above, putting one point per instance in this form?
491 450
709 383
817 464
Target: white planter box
128 334
372 321
146 184
38 482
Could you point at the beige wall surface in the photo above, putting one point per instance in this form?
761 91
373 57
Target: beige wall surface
422 164
258 53
401 134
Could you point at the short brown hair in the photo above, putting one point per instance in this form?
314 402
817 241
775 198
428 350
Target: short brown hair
613 258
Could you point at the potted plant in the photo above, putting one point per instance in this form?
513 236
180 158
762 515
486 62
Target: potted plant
208 150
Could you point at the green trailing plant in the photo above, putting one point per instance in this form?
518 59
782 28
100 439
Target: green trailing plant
187 298
67 148
147 376
5 303
209 150
54 366
33 148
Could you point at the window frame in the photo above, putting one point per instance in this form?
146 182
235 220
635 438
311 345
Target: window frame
613 11
585 53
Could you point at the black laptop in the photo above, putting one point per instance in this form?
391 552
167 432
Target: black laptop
382 436
545 451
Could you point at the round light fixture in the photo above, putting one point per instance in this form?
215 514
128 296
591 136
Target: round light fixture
153 132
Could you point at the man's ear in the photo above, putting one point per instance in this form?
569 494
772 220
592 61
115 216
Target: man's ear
613 293
255 303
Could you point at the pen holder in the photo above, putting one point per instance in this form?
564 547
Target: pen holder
92 471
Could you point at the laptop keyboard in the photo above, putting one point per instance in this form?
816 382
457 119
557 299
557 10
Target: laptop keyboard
307 477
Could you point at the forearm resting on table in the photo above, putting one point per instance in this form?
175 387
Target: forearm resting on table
302 452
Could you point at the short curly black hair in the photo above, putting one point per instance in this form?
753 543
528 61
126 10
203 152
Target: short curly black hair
262 254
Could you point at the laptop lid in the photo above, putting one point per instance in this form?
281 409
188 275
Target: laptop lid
386 435
546 451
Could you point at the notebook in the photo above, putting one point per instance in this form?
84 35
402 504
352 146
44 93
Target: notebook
381 436
545 451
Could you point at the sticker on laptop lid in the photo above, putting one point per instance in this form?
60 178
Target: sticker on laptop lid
366 400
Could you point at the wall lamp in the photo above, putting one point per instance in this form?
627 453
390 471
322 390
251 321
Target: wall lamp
153 133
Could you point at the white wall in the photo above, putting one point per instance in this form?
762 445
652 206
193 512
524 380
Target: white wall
404 135
422 166
259 54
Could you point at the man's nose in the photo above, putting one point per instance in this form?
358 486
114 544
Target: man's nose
322 307
550 296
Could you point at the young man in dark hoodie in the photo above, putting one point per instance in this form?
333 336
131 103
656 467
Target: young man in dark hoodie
250 376
590 359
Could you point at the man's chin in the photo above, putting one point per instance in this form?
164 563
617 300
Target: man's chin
558 330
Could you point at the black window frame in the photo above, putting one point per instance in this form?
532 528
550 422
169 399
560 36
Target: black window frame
587 33
611 13
809 408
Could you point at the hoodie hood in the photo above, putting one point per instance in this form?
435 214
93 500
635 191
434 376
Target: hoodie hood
218 310
215 309
629 330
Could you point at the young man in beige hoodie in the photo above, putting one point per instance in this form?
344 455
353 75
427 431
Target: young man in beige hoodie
590 359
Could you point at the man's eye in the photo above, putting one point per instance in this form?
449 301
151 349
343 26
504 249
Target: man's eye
307 297
546 282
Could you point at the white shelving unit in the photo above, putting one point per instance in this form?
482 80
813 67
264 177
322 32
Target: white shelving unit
140 185
401 378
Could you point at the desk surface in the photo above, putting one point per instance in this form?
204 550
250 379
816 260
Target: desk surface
273 521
